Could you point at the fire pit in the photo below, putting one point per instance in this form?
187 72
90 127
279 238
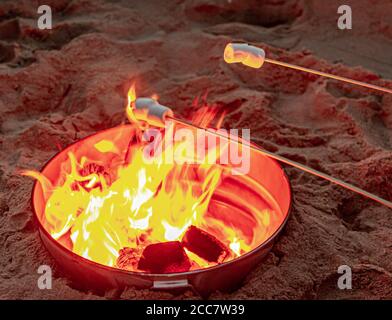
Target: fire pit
112 220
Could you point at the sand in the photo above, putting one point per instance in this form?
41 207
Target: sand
58 86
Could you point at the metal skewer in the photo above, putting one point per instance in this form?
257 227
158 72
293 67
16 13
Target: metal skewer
328 75
294 164
149 110
254 57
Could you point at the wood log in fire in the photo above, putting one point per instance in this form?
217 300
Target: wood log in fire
164 257
204 245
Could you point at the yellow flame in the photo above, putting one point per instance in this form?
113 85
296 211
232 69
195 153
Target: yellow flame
104 146
131 99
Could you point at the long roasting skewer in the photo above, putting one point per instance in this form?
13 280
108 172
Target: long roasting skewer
254 57
328 75
296 165
151 111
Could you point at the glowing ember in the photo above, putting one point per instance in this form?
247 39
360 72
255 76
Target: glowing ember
110 210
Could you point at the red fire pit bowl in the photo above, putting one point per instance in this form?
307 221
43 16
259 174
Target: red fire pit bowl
237 196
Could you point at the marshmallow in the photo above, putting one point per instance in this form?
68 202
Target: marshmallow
149 110
250 56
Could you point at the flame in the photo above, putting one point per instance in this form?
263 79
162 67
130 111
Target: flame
104 146
103 208
131 98
235 246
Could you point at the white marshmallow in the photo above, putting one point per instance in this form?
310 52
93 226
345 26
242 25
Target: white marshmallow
244 53
149 110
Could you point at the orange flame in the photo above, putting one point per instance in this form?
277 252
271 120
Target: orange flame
129 107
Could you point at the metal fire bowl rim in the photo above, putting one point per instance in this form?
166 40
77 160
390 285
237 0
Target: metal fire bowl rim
147 274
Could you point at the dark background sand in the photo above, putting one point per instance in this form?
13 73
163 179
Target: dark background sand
58 86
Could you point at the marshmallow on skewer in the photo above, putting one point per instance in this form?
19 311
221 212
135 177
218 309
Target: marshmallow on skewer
150 111
244 53
254 57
